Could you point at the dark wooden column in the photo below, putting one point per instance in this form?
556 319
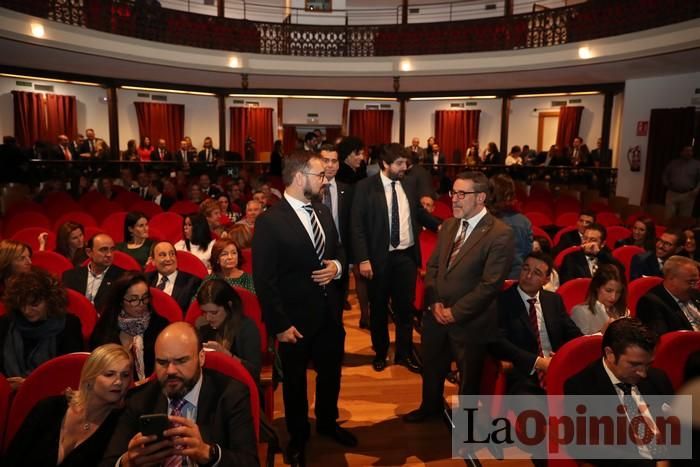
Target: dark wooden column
220 8
222 122
404 13
402 121
508 8
607 119
113 119
505 120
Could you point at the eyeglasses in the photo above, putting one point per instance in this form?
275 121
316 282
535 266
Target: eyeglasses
137 300
664 243
321 175
461 194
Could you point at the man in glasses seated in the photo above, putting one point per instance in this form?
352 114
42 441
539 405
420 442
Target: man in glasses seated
651 263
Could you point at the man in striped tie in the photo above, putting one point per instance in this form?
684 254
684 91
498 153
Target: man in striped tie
297 263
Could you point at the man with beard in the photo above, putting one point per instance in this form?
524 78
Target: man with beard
210 414
297 263
385 226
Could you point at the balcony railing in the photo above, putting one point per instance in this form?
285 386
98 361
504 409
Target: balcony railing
147 20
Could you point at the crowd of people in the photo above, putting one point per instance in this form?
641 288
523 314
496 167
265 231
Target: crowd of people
327 217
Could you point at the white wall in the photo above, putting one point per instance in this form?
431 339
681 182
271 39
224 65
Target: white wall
524 118
641 96
420 119
92 112
330 111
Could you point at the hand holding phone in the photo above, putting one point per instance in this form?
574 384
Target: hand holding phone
154 424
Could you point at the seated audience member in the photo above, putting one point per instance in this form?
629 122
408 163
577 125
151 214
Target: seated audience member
262 198
142 184
105 186
624 370
650 263
15 258
208 190
575 237
605 302
216 422
428 204
145 149
225 264
593 253
194 193
136 242
36 327
95 280
63 150
155 191
533 325
541 244
73 430
178 284
690 248
253 209
241 235
514 157
223 326
643 235
235 196
502 204
129 319
196 238
209 208
70 242
673 305
227 214
491 156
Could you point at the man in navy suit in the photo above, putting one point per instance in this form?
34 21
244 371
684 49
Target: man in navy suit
651 263
297 263
180 285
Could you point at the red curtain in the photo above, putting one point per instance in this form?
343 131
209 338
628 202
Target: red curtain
569 121
166 121
454 131
289 139
371 126
30 118
255 122
669 131
61 116
333 133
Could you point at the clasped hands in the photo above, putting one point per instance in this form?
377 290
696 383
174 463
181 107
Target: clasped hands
325 275
442 314
182 440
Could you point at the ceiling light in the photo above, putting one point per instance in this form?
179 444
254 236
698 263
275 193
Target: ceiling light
172 91
405 65
584 53
451 98
559 94
234 62
37 30
52 80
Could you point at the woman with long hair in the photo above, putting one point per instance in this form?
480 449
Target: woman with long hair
196 238
226 261
15 258
70 242
136 242
643 235
75 429
130 320
145 149
606 300
224 328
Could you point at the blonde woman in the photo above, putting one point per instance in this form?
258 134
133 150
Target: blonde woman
74 430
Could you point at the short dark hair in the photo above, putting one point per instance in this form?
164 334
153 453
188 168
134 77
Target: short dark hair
587 212
600 228
155 244
348 145
388 153
297 162
679 234
541 256
628 332
328 147
481 182
309 136
158 185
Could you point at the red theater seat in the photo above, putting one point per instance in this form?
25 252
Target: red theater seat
615 233
539 219
562 254
672 354
561 232
79 217
637 288
165 305
574 292
566 219
247 254
184 207
5 399
25 219
170 224
624 255
149 208
81 307
113 225
30 236
53 262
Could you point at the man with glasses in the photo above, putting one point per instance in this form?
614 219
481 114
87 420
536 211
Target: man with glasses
95 280
651 263
464 274
385 226
298 260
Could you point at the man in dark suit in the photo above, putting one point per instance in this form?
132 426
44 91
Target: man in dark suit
533 324
88 145
155 192
297 263
208 190
185 153
143 183
210 413
385 226
178 284
208 153
465 272
437 158
95 280
673 305
161 153
63 151
593 253
417 152
624 370
651 263
574 237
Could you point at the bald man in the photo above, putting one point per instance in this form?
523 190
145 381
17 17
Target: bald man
215 423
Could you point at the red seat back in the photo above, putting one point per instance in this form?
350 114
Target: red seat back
126 262
24 205
232 368
539 219
169 223
184 207
247 254
637 288
113 225
624 255
5 399
534 204
25 219
101 209
608 219
75 216
566 219
57 207
562 254
561 232
149 208
538 232
53 262
30 236
615 233
442 211
672 354
420 293
126 198
428 242
81 307
165 305
49 379
574 292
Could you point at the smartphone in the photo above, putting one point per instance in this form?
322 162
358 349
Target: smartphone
154 424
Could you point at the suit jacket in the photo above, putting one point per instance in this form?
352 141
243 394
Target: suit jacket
57 153
575 265
645 264
189 156
424 181
345 195
76 279
224 417
440 170
516 340
186 285
660 312
569 239
85 147
420 153
283 260
370 221
470 284
155 155
202 156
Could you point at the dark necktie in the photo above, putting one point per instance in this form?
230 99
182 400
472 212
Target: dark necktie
319 242
395 222
532 312
176 406
163 282
459 241
327 200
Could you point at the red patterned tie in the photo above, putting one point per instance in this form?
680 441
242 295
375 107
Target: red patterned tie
536 328
175 460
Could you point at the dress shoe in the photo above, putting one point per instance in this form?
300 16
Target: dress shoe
379 364
421 415
409 363
295 455
338 434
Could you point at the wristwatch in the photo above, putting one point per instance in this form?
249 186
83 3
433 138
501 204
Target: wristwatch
214 453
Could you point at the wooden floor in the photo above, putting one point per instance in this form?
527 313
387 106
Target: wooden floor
371 405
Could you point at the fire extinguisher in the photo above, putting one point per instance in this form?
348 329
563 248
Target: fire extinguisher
634 157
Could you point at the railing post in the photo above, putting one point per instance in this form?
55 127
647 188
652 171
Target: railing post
404 12
508 8
220 7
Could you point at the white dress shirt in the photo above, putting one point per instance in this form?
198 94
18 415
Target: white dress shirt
168 285
406 239
544 337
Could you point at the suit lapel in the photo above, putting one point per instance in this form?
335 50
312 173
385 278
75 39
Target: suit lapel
381 202
475 237
294 223
205 404
523 314
446 249
672 305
